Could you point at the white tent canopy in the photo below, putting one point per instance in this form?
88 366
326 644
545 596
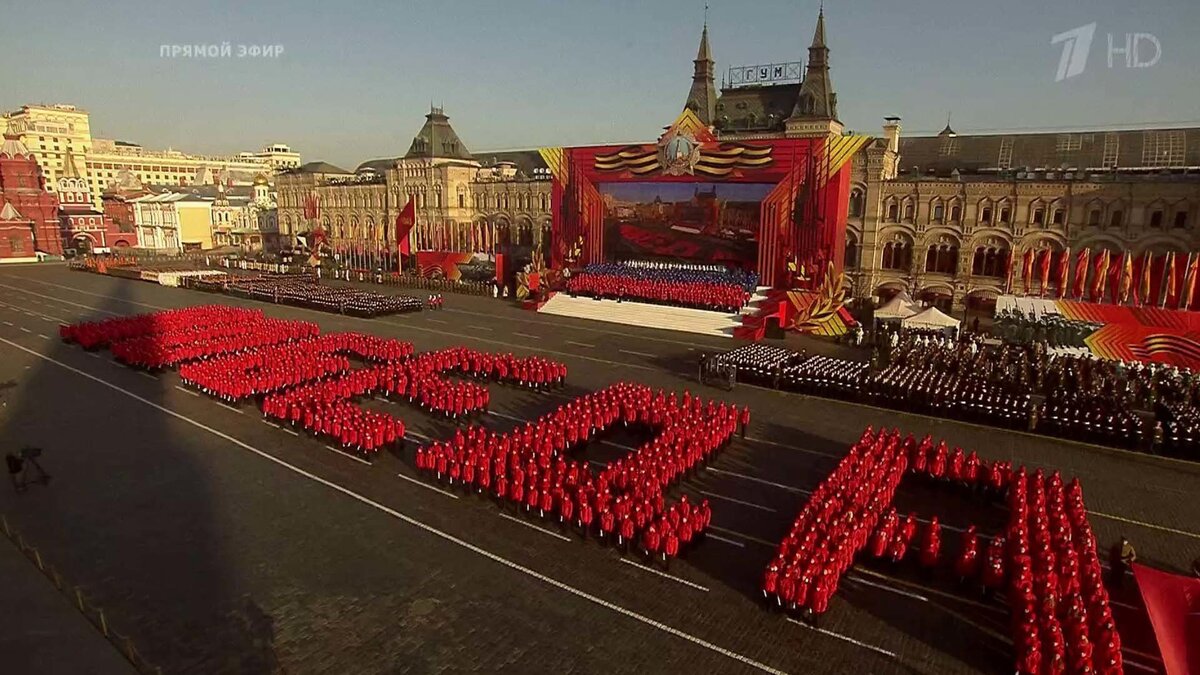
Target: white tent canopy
931 317
899 307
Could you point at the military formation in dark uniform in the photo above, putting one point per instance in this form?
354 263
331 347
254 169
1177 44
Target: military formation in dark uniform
307 292
1150 407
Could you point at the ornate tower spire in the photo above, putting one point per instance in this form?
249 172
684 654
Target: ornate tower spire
817 99
702 98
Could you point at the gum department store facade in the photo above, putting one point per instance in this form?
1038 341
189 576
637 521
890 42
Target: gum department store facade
936 216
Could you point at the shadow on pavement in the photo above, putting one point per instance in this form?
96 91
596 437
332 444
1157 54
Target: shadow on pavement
134 514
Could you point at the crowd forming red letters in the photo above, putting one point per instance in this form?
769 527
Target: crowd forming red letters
1045 561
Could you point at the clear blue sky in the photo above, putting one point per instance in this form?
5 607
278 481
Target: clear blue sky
357 76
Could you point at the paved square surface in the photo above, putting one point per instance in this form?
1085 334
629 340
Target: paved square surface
222 543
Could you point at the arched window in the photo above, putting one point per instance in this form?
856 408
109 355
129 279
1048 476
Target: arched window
893 211
1117 219
852 252
542 202
1156 219
941 259
939 212
990 261
908 211
856 203
897 255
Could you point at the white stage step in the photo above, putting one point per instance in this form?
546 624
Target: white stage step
644 314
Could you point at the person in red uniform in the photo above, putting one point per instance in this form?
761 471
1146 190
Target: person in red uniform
931 544
993 569
884 533
966 565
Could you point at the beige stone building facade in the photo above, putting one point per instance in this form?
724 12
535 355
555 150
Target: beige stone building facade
50 132
506 192
942 221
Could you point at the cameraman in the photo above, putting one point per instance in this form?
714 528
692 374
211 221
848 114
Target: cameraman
25 469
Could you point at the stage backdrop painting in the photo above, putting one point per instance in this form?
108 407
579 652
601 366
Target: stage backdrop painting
695 222
801 217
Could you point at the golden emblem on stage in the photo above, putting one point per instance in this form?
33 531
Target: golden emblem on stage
678 153
819 313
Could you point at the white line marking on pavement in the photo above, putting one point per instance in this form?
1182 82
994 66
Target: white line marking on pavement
781 486
423 437
50 319
644 354
290 431
8 323
847 638
436 321
950 596
231 408
527 335
269 423
25 330
747 537
1139 666
187 391
915 596
145 374
1131 521
581 344
1126 605
737 501
482 328
764 441
94 355
550 581
68 302
44 337
347 455
727 541
672 577
427 486
597 462
534 527
1135 652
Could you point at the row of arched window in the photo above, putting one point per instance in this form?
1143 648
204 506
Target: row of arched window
903 210
504 201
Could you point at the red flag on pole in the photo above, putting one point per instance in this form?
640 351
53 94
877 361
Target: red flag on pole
1141 294
1027 271
1044 272
1126 284
1081 269
1100 278
1115 267
404 224
1189 281
1170 295
1064 272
